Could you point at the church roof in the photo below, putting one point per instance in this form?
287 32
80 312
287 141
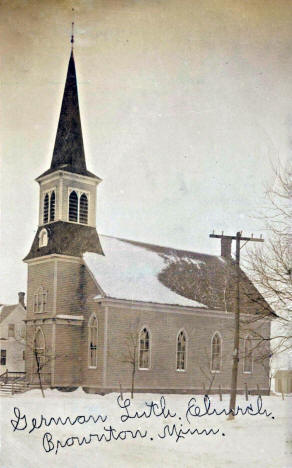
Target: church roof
68 152
144 272
66 239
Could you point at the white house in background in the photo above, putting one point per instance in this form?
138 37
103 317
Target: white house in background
12 336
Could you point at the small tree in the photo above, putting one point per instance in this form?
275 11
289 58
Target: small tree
130 355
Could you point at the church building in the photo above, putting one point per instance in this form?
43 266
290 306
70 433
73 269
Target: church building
103 310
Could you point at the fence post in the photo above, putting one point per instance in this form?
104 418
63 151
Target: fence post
258 388
204 389
246 391
220 392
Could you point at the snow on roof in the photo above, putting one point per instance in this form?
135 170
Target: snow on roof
130 271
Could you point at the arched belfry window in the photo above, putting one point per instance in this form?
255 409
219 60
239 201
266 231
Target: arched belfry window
46 208
92 341
78 207
216 350
49 207
39 350
144 349
73 206
181 351
52 206
83 216
247 358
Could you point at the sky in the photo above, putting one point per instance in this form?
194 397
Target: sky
185 107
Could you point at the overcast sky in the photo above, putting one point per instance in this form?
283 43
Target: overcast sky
185 104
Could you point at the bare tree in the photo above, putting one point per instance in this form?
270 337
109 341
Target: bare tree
270 266
129 355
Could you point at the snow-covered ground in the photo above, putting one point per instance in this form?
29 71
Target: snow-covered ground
259 441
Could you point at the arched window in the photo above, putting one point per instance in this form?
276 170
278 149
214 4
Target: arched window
39 350
46 209
43 238
83 213
144 349
40 301
92 341
52 206
73 206
247 358
216 353
181 351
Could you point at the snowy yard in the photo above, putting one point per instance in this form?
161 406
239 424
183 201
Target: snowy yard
260 441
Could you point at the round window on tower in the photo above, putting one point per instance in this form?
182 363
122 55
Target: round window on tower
43 238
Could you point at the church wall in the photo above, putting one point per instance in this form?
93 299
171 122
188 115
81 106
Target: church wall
164 327
30 361
40 275
69 287
68 358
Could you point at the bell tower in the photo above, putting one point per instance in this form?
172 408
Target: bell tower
67 189
57 286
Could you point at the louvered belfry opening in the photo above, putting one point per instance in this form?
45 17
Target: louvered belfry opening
73 207
83 216
52 206
46 208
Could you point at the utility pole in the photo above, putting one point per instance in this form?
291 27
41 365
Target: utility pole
235 355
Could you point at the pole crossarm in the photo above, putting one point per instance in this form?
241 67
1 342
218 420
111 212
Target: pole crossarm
222 236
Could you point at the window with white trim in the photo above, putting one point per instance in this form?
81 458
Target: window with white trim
11 330
92 342
181 351
144 349
216 348
247 358
40 301
78 206
43 238
49 206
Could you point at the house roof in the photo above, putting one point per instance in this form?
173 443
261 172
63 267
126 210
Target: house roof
5 311
144 272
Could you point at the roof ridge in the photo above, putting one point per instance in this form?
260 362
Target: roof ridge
147 244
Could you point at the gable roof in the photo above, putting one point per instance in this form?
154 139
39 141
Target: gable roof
145 272
5 311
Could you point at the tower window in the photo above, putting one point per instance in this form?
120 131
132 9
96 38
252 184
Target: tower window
46 208
78 207
73 207
49 207
40 301
52 206
83 216
43 238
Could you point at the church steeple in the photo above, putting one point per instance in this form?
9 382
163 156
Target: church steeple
68 154
67 210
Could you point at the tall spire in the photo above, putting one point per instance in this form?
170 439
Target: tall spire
68 151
